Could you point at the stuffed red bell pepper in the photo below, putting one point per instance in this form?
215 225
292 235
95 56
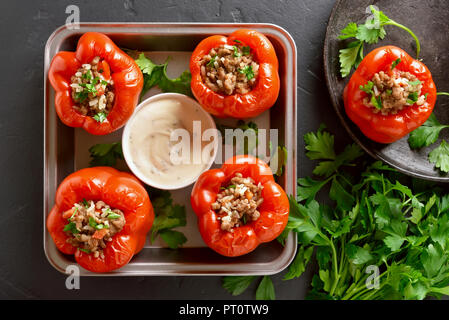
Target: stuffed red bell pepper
102 216
235 76
97 87
389 95
239 206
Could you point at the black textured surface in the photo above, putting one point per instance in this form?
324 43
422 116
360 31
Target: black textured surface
24 29
434 52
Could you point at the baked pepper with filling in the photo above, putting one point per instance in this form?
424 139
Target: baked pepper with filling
239 206
235 76
389 95
97 87
101 216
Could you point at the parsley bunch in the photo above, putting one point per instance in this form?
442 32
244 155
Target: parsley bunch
377 221
370 32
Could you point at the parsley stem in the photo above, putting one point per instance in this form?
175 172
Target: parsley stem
418 45
335 267
442 94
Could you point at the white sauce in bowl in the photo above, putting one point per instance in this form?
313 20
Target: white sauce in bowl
163 141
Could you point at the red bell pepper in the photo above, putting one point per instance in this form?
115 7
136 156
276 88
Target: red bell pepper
121 191
245 238
260 98
127 77
391 127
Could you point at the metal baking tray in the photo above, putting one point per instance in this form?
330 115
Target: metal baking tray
66 149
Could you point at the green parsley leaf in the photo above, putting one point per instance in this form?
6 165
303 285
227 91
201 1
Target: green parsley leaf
84 250
246 50
298 266
426 134
440 157
81 96
414 83
370 32
412 97
236 285
105 154
265 291
350 31
92 222
358 255
248 71
156 75
395 63
71 227
112 215
174 239
211 63
100 117
236 51
168 216
85 203
350 57
319 145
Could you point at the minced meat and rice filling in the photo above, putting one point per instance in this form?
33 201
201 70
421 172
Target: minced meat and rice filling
91 225
92 91
237 203
230 69
393 91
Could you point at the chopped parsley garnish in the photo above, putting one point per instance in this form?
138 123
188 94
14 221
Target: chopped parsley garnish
113 215
211 63
73 214
104 82
85 203
414 83
81 96
92 222
412 97
236 51
99 117
395 63
228 187
71 227
375 101
248 71
246 50
87 75
84 250
238 41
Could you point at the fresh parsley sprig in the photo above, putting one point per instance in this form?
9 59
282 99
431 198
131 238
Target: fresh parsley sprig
105 154
156 75
370 32
236 285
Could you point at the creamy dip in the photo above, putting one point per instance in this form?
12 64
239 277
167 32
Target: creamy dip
165 142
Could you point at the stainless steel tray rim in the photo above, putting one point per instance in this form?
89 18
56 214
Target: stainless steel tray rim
265 268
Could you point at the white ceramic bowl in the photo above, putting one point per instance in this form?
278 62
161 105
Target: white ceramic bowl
191 106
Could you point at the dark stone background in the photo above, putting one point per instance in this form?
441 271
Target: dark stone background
24 29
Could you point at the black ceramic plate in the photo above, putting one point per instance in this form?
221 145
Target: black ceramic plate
429 21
